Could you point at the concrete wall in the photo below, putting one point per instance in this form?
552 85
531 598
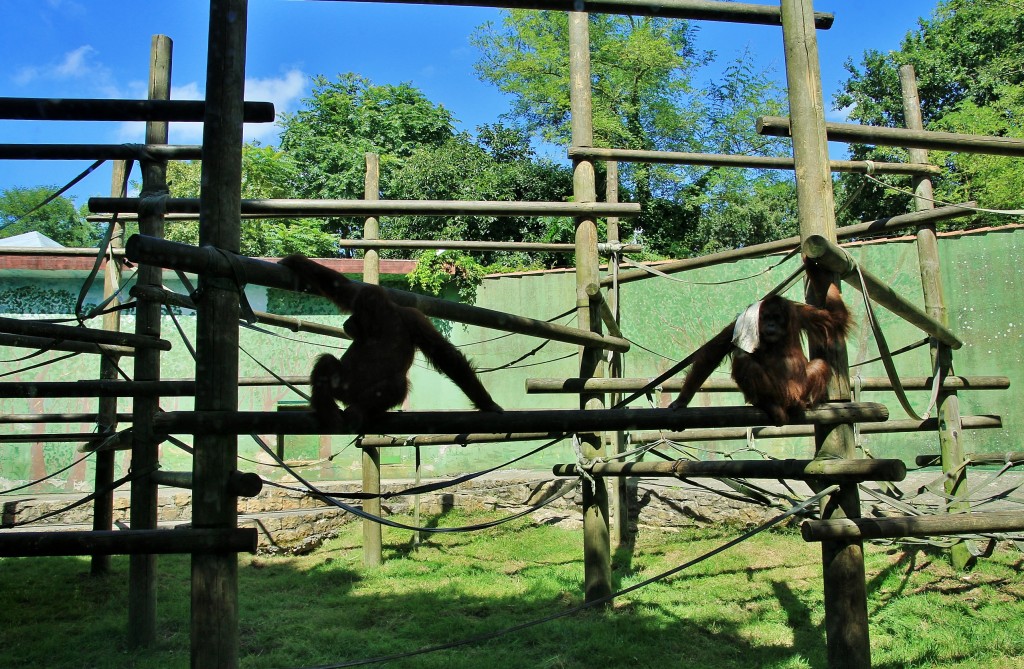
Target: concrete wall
671 318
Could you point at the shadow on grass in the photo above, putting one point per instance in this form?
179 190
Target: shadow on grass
298 614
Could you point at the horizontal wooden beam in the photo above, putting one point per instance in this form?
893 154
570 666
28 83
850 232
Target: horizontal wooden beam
48 438
391 441
74 333
97 388
801 470
100 109
15 543
576 385
476 246
789 431
833 258
111 388
854 529
35 418
740 161
853 133
362 208
164 296
974 459
690 435
240 484
704 10
859 230
455 422
141 152
208 260
58 344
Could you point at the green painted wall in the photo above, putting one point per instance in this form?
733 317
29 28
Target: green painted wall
669 318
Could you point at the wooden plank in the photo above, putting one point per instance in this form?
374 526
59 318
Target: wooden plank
857 470
457 422
15 543
912 526
102 109
853 133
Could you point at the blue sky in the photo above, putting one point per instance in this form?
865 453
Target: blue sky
100 49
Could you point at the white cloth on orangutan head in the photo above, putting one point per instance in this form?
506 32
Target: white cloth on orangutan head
745 332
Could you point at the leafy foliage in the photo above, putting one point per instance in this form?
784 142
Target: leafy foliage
266 173
645 97
58 220
501 166
436 270
967 58
342 121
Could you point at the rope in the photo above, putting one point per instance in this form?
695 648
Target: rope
48 476
39 364
651 270
130 476
447 483
100 255
1002 212
330 498
685 362
89 170
887 362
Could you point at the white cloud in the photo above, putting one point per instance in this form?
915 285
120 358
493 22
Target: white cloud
80 65
283 91
26 75
76 63
190 91
67 6
840 115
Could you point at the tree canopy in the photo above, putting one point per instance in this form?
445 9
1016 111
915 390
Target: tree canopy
967 57
421 157
266 173
58 220
645 96
343 120
499 166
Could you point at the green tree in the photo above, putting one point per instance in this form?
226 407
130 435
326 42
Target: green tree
967 57
644 97
499 166
641 67
343 120
266 173
58 220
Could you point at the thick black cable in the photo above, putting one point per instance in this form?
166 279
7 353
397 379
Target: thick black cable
331 498
39 364
130 476
89 170
447 483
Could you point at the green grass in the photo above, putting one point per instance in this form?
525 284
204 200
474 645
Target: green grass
757 605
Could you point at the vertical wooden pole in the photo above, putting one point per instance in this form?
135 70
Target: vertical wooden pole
846 616
214 628
103 508
145 445
620 500
611 195
596 539
372 542
948 404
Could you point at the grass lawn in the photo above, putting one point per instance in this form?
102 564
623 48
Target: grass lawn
757 605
